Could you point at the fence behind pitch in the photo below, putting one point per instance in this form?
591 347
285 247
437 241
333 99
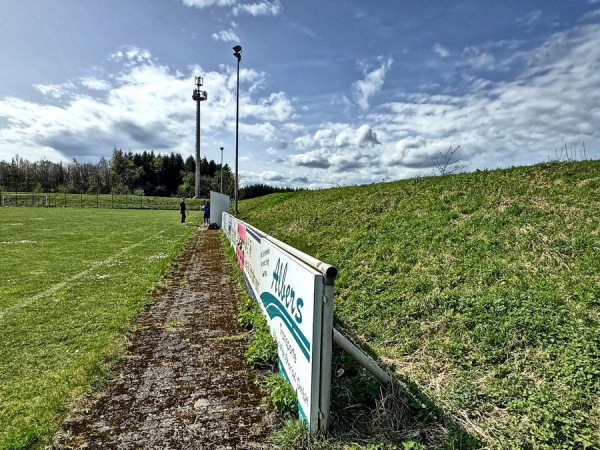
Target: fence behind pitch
114 201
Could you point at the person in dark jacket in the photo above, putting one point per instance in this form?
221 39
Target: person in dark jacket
207 214
182 210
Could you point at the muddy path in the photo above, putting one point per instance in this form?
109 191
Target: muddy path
183 382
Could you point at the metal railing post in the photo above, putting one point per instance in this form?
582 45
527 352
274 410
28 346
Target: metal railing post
326 354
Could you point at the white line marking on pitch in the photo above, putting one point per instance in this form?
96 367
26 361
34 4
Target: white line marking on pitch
56 287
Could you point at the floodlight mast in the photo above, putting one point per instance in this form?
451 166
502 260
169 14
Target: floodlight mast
221 170
198 96
238 54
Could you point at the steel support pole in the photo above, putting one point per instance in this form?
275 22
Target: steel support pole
198 97
326 354
361 358
237 124
221 170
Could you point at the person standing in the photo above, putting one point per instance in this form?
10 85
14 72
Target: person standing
207 214
182 210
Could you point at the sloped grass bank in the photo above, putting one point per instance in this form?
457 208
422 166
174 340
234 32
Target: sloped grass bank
481 289
72 281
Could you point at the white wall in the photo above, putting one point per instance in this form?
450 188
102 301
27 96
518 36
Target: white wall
219 203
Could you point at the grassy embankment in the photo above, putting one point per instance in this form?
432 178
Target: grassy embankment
481 292
71 280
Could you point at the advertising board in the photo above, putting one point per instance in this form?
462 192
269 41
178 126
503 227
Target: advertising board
289 293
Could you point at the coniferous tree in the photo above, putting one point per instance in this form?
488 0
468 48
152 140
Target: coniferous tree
126 172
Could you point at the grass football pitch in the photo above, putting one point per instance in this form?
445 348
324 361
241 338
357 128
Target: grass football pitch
71 282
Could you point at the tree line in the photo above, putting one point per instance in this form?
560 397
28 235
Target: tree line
258 190
146 173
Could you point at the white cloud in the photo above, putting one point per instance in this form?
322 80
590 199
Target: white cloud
412 152
226 36
264 131
477 59
364 136
340 148
55 90
132 56
555 99
357 161
440 51
95 84
530 18
270 175
591 16
148 108
338 135
205 3
262 8
276 107
318 159
371 84
143 105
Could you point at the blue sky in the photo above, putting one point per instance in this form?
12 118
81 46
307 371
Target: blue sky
332 92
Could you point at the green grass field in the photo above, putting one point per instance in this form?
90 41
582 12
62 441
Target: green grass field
480 290
71 280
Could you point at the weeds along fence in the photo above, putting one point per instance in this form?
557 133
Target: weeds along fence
111 201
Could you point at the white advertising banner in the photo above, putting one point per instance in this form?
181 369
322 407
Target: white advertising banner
229 228
290 295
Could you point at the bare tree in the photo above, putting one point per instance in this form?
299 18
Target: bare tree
445 164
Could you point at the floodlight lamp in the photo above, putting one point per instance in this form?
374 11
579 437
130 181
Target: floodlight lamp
238 52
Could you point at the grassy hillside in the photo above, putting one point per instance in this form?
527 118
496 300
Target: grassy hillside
482 289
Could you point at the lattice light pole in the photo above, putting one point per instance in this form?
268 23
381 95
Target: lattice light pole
198 96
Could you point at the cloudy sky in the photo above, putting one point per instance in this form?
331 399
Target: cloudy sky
331 92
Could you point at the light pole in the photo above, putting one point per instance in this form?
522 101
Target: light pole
221 170
198 96
238 54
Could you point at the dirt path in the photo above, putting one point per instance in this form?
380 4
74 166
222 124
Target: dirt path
183 383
